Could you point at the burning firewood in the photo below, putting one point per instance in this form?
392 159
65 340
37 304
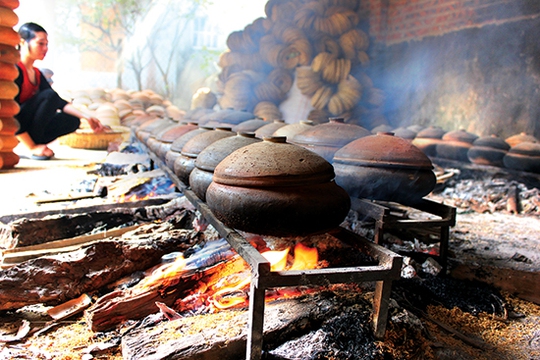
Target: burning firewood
55 279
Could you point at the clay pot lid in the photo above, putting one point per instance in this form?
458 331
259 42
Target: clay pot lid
214 153
289 130
179 143
404 133
194 146
460 135
268 129
173 133
519 138
383 150
431 132
273 163
492 141
526 148
381 128
250 125
416 128
333 133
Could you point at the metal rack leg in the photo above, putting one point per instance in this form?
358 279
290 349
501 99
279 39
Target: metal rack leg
256 322
381 301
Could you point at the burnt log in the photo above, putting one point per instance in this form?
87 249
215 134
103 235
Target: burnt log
54 279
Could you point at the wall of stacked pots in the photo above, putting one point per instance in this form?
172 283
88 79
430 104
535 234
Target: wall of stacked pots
9 56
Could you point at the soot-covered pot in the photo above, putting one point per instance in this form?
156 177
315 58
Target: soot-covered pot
524 156
428 138
488 150
205 163
519 138
325 139
185 163
276 188
384 167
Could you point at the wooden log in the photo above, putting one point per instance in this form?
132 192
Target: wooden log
55 279
138 302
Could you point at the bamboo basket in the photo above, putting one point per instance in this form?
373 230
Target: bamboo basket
86 139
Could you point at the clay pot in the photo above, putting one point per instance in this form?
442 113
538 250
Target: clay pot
269 129
404 133
525 156
416 128
276 188
519 138
488 150
230 116
185 163
381 128
455 145
205 163
166 137
144 130
325 139
384 167
177 145
250 125
428 139
151 139
290 130
195 114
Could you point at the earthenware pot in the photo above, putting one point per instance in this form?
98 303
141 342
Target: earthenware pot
276 188
185 163
455 145
404 133
488 150
269 129
205 163
166 137
144 131
250 125
519 138
525 156
290 130
384 167
325 139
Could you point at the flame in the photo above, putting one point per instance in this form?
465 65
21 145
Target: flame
304 257
165 276
277 259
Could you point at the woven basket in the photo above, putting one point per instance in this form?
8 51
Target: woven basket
82 139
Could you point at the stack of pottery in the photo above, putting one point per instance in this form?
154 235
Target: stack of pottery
455 145
185 163
9 56
384 167
488 150
175 149
525 156
325 139
276 188
427 139
205 163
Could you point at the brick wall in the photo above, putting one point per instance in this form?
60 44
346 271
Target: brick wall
395 21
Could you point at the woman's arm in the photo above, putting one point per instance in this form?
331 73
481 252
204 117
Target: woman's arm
94 123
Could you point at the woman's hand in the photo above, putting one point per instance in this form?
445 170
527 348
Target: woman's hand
96 125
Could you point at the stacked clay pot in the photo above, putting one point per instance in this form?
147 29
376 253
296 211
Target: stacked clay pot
524 156
325 139
185 163
384 167
9 56
455 145
488 150
277 188
205 163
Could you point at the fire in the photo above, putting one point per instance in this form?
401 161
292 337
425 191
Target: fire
304 257
166 275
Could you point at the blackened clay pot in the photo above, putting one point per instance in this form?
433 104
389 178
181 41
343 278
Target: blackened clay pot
384 167
276 188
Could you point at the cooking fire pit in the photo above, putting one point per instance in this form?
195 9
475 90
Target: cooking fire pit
386 270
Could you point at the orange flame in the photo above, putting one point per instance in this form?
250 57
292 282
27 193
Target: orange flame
165 276
304 257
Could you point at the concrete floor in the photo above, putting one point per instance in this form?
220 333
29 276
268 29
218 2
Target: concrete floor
32 179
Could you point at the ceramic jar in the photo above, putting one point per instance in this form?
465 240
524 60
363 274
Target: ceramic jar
276 188
384 167
488 150
205 163
185 163
455 145
524 156
325 139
